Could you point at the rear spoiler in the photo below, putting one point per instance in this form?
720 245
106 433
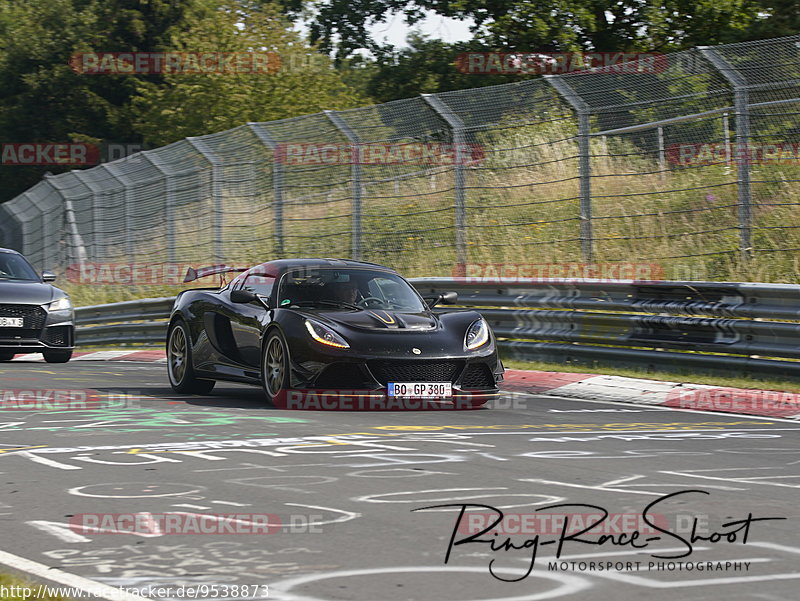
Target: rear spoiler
202 272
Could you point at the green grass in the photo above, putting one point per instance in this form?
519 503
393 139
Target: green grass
522 208
726 381
7 580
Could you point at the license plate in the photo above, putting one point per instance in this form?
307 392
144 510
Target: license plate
11 322
421 390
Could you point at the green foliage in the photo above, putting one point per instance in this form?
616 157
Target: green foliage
190 104
522 25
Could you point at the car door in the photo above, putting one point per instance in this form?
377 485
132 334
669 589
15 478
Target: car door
248 319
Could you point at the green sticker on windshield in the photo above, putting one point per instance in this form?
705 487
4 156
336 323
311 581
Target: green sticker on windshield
286 301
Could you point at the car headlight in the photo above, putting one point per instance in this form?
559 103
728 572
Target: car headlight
324 335
62 304
477 335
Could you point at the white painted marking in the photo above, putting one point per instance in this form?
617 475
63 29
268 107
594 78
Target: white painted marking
102 355
78 491
60 530
190 506
346 515
29 357
692 474
457 500
94 588
695 411
567 584
48 462
586 486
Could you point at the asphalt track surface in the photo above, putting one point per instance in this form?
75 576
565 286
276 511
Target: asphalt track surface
340 489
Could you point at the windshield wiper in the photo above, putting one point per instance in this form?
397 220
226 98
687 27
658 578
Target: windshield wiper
328 302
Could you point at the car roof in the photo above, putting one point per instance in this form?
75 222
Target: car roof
280 266
8 250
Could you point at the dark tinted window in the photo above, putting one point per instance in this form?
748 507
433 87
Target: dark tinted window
364 287
14 267
259 284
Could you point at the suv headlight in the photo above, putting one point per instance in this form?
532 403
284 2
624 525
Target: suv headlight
324 335
477 335
62 304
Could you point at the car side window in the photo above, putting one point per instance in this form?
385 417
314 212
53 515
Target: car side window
258 284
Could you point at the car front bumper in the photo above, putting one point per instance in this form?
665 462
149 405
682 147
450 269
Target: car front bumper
42 329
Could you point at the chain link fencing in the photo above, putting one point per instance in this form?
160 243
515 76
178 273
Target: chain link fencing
689 165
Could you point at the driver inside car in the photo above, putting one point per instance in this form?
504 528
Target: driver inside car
343 292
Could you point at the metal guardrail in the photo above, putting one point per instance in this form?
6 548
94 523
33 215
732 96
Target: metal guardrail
137 321
719 326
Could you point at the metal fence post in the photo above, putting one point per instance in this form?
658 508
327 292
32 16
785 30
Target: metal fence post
459 142
355 174
113 170
277 182
742 112
169 202
216 192
77 246
584 160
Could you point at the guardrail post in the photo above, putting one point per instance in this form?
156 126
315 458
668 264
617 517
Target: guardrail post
459 143
742 112
355 174
277 182
169 202
216 192
584 160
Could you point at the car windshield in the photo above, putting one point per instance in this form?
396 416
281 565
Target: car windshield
14 267
353 288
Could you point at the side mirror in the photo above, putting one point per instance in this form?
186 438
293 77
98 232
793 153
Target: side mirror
445 298
243 296
449 298
48 276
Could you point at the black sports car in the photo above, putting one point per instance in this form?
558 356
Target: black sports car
328 324
35 316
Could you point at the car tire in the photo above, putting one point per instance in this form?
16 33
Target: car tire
180 370
57 356
274 365
6 356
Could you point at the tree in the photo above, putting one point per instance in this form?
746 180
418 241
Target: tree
43 100
198 103
600 25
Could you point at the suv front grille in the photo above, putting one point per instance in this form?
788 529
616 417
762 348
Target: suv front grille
415 371
33 317
58 336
